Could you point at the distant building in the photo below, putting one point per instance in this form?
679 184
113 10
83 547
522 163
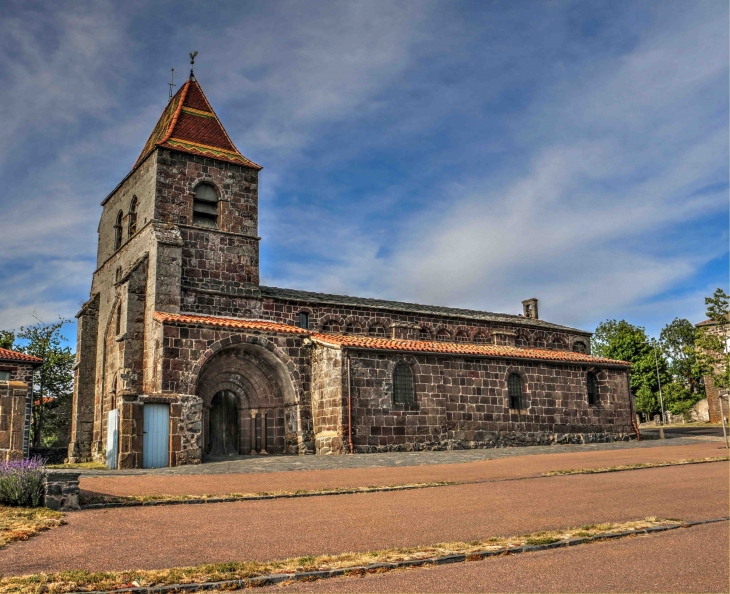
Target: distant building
16 401
183 356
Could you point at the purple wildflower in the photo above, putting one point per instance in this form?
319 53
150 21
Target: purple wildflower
22 482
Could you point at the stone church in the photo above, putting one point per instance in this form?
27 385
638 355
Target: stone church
183 356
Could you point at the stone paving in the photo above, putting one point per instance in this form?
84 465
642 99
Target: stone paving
258 463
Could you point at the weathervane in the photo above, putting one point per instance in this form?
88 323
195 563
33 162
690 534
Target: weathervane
192 61
172 82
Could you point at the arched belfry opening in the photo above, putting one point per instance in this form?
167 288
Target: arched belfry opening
248 403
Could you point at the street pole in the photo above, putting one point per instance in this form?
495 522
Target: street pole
661 400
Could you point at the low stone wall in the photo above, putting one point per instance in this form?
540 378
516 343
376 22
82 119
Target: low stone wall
62 490
460 440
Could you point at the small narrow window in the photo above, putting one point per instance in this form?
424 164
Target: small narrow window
132 218
118 327
514 390
205 207
303 319
592 385
403 385
118 231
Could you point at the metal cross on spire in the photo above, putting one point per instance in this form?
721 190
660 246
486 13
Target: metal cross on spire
172 81
192 61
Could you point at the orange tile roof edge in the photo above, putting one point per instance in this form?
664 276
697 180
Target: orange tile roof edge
234 323
8 355
390 344
460 348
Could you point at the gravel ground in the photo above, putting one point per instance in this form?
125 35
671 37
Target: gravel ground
257 463
149 538
689 560
494 469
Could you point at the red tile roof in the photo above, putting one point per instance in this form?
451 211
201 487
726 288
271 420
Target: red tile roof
233 323
388 344
8 355
460 348
189 124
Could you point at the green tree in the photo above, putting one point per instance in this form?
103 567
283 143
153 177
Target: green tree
7 338
712 343
626 342
53 382
679 343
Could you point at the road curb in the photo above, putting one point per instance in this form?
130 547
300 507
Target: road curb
277 578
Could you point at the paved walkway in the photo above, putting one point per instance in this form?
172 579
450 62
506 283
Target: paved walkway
510 467
258 463
141 537
691 560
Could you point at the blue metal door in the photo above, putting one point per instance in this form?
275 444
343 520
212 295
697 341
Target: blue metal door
155 445
112 438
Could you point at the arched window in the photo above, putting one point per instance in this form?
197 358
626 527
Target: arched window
118 274
118 231
592 385
461 336
579 346
480 338
443 335
376 330
331 326
514 390
403 385
303 319
353 328
424 334
205 206
132 219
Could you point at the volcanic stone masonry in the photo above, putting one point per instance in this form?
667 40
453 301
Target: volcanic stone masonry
184 357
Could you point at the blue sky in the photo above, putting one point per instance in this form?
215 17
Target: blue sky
460 153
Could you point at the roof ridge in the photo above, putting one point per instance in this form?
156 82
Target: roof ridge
175 117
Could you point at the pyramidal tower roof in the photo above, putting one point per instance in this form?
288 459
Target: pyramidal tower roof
190 125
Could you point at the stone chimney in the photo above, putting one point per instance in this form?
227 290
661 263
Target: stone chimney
529 308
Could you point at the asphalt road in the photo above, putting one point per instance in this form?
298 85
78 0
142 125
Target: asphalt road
687 560
149 538
675 432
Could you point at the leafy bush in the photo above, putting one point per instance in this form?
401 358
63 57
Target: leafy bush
22 482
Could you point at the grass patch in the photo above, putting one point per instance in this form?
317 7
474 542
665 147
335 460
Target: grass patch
635 466
136 499
20 523
79 466
74 581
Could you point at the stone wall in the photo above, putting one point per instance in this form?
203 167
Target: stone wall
329 407
379 322
463 403
13 402
713 400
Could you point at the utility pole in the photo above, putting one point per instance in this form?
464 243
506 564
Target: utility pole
659 381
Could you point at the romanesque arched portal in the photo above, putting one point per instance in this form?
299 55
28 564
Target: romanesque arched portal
245 391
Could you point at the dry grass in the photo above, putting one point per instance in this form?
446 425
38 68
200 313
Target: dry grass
20 523
72 581
636 466
80 466
131 499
